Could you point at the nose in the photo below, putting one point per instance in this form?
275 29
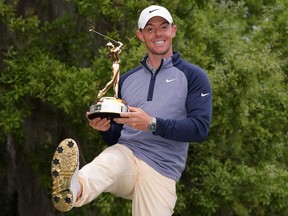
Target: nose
158 31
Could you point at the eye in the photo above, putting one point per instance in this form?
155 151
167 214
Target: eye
149 29
165 27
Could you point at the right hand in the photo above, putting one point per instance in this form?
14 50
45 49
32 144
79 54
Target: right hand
98 123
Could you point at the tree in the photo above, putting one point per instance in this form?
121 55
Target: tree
52 68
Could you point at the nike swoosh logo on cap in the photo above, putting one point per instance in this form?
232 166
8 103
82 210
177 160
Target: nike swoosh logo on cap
153 10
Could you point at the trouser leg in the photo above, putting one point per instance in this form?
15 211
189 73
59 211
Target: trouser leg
112 171
154 194
118 171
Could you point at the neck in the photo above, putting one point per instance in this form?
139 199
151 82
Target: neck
153 64
155 60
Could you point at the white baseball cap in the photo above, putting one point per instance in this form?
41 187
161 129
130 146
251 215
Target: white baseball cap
152 11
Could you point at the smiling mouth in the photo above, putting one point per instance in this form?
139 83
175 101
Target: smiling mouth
159 42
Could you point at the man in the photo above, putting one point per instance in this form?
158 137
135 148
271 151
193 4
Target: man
170 105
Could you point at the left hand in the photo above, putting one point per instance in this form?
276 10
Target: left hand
135 118
98 123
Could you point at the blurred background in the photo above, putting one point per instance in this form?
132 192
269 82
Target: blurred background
52 67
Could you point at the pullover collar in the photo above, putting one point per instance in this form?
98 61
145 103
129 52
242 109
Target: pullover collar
174 59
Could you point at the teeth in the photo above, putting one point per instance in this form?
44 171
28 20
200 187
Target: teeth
159 42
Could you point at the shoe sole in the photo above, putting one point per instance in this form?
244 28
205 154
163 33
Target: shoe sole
63 166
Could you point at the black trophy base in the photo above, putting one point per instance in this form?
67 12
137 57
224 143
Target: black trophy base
102 115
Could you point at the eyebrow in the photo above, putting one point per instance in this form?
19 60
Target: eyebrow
165 22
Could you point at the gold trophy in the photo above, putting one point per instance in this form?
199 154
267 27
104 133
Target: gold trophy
110 107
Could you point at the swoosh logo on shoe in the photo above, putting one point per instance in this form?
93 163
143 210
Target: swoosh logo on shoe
204 94
170 80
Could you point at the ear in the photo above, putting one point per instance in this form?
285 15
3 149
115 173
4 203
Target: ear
139 35
174 30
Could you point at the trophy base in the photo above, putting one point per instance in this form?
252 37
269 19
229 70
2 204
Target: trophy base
107 107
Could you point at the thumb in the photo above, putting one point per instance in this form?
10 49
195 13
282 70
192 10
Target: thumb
132 109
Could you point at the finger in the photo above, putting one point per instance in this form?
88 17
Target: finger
95 122
132 109
87 115
103 124
126 114
106 122
121 120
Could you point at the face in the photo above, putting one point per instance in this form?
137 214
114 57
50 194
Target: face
157 36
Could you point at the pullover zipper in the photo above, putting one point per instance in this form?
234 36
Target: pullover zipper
152 80
151 86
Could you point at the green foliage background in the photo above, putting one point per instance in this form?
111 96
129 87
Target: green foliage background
54 67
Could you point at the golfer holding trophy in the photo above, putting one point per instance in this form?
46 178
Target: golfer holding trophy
170 106
110 107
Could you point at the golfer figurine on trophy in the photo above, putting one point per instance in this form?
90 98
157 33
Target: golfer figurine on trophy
110 107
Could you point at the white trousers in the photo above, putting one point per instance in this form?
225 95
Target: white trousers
118 171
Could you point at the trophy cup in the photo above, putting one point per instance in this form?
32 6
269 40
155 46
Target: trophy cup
110 107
